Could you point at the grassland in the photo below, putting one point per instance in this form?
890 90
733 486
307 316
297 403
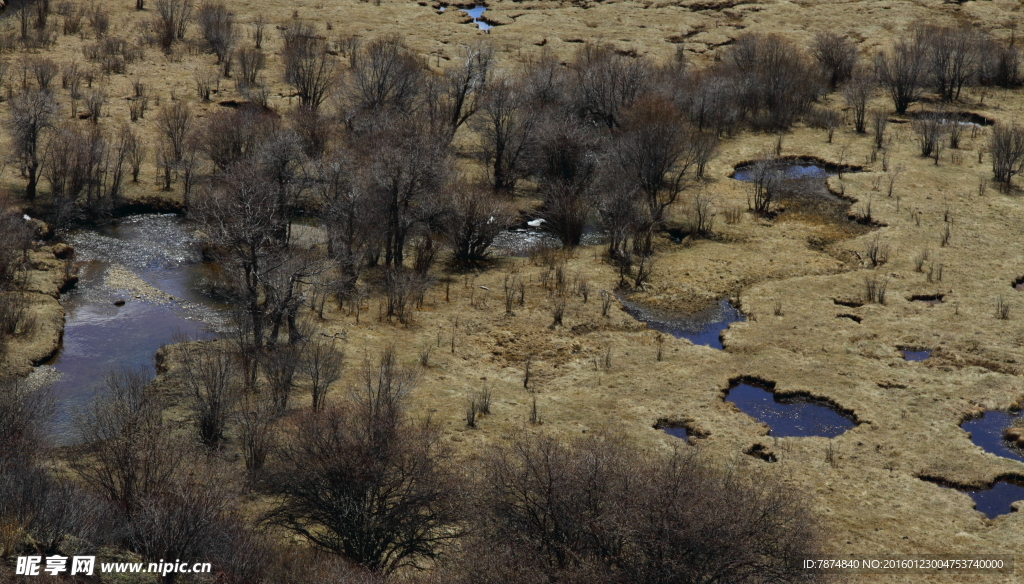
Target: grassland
870 494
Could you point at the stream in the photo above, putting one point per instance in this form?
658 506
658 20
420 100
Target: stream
140 283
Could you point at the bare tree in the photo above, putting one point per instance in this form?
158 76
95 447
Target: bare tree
126 452
879 121
857 93
23 412
345 211
365 482
699 215
254 425
94 102
608 81
135 153
656 151
836 56
217 25
44 70
246 215
825 118
173 20
383 73
471 219
313 129
46 511
566 166
903 71
258 24
250 63
999 63
30 114
187 520
953 55
308 66
323 364
931 130
175 123
210 377
452 98
232 136
404 169
770 79
766 182
508 124
1007 148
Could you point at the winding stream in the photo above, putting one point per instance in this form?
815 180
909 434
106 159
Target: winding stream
151 264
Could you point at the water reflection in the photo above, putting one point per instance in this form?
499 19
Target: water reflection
787 417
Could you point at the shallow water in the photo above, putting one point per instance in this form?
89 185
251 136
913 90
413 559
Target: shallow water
911 355
788 417
680 433
995 501
476 12
700 328
792 171
804 186
100 336
520 242
987 432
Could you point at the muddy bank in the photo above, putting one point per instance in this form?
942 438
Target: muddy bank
47 278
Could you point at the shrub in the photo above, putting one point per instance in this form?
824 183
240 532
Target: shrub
580 511
1007 149
391 476
836 57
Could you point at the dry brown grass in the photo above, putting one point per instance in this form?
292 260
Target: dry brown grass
870 494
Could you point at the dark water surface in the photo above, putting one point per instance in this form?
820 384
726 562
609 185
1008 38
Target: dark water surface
995 501
700 328
912 355
99 336
680 433
987 432
789 172
788 417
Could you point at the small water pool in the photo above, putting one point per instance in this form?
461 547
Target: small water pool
476 12
916 354
677 432
787 417
988 431
790 171
994 501
700 328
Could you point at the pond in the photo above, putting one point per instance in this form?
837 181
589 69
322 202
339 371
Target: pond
476 12
989 432
916 354
994 501
703 327
139 286
787 416
803 186
792 171
676 432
